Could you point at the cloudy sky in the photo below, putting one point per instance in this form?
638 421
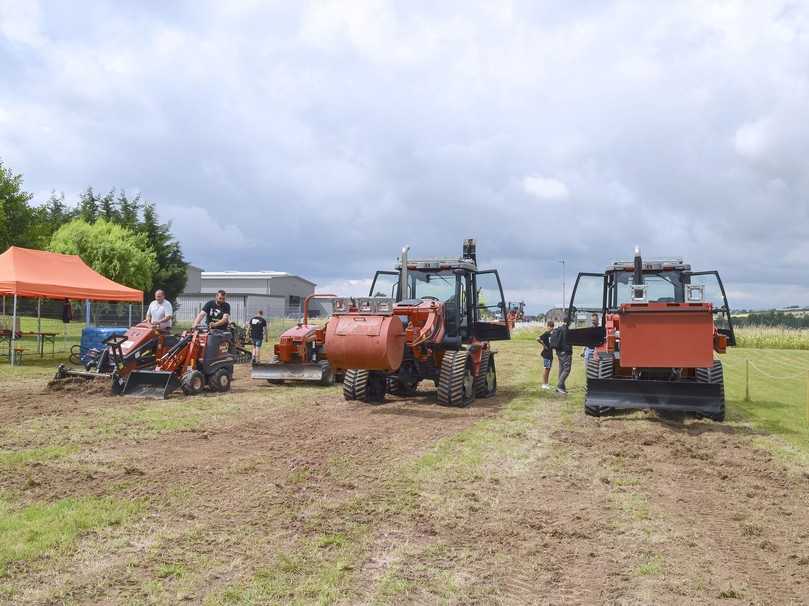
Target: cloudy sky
320 137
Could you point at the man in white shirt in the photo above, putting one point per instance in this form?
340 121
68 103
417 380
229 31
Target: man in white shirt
160 311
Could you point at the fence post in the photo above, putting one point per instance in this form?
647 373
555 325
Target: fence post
807 397
747 381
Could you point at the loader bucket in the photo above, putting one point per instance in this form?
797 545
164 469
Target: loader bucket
683 396
150 384
304 371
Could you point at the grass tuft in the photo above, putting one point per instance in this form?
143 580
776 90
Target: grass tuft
33 531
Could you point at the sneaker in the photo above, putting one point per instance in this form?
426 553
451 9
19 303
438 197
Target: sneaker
561 391
545 386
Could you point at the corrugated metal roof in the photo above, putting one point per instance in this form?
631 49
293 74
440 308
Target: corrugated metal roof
245 274
254 275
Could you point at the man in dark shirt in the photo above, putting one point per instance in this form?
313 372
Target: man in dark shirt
547 354
216 312
258 330
564 353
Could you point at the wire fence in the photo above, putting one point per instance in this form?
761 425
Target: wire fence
41 332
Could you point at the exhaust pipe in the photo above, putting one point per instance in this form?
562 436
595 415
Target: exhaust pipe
638 292
403 277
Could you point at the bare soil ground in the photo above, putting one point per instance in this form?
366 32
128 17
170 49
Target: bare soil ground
292 495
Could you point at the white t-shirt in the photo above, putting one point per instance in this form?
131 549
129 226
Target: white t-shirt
159 311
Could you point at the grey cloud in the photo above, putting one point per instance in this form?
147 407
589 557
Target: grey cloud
321 137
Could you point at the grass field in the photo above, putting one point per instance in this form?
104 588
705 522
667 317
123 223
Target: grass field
290 495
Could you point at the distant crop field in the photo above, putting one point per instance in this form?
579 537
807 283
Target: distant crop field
772 337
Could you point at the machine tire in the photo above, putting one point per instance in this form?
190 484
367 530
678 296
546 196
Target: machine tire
192 383
328 375
599 366
456 384
220 380
355 384
118 384
715 374
486 381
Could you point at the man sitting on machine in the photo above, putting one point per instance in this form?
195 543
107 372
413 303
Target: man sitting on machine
216 312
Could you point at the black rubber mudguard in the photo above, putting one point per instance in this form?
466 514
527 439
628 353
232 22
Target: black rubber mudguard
685 396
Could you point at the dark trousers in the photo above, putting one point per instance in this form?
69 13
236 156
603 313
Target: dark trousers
565 360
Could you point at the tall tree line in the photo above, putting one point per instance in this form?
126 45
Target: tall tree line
32 226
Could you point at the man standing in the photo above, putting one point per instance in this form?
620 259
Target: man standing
564 353
547 354
258 330
216 312
160 312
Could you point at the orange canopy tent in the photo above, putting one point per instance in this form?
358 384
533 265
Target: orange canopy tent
36 273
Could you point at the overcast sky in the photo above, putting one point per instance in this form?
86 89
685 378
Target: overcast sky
318 138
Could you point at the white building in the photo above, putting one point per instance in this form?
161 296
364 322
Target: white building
277 293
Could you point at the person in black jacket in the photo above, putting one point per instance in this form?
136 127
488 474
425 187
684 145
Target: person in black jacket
564 353
546 354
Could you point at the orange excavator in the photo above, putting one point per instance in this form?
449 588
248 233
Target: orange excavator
661 324
516 313
300 353
430 320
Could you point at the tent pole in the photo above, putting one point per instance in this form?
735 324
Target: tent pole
87 312
39 314
14 332
130 314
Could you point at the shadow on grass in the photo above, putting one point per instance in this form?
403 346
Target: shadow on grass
681 422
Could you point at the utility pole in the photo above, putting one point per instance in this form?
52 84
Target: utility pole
564 296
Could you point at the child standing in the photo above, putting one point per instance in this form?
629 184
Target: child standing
547 353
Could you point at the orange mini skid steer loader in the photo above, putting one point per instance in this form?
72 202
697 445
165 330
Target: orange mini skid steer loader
661 324
201 358
140 348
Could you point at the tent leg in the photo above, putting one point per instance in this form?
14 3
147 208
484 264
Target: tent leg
39 314
87 312
13 351
130 314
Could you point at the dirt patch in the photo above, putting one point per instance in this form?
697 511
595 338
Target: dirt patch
549 506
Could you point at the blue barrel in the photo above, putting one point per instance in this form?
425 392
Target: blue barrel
92 337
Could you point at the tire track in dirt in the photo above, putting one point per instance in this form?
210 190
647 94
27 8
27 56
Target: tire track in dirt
629 510
264 474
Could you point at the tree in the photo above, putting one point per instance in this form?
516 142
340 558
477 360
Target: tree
88 206
128 210
113 251
171 266
17 220
106 206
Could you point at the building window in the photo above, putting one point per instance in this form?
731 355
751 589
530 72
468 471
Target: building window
294 302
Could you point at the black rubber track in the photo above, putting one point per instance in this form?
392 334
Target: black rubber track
481 387
355 384
454 369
